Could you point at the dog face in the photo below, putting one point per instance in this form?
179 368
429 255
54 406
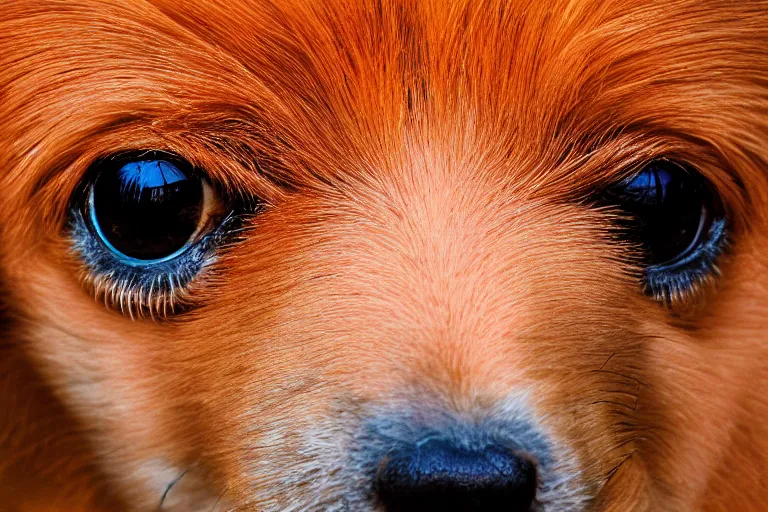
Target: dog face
392 255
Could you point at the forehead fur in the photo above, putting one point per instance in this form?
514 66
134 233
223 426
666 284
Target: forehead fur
552 97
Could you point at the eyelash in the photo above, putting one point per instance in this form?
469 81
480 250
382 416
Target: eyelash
672 285
156 290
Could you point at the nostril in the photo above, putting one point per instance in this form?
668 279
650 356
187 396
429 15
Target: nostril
437 475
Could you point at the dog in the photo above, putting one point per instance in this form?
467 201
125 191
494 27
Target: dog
382 255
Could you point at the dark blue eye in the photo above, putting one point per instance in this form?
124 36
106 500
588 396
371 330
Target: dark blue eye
148 208
675 217
146 224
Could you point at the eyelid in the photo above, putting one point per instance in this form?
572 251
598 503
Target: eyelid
153 291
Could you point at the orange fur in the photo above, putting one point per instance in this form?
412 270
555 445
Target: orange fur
426 166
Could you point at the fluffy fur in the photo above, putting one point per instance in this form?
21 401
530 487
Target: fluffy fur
427 245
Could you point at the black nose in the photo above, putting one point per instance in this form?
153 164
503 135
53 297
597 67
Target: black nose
438 476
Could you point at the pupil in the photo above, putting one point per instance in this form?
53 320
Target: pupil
147 209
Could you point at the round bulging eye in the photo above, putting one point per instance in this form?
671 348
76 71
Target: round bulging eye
149 208
671 211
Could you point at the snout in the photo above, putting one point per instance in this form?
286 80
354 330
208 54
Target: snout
441 475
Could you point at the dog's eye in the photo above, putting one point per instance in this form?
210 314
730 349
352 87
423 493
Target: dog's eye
146 226
672 208
675 216
150 209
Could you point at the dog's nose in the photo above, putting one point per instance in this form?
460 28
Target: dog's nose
436 475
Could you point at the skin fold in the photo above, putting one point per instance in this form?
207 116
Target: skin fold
427 258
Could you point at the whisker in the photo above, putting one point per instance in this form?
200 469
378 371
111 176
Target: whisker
608 361
618 374
613 402
618 466
215 503
169 487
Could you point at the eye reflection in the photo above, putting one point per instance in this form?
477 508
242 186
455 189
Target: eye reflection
650 187
153 175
